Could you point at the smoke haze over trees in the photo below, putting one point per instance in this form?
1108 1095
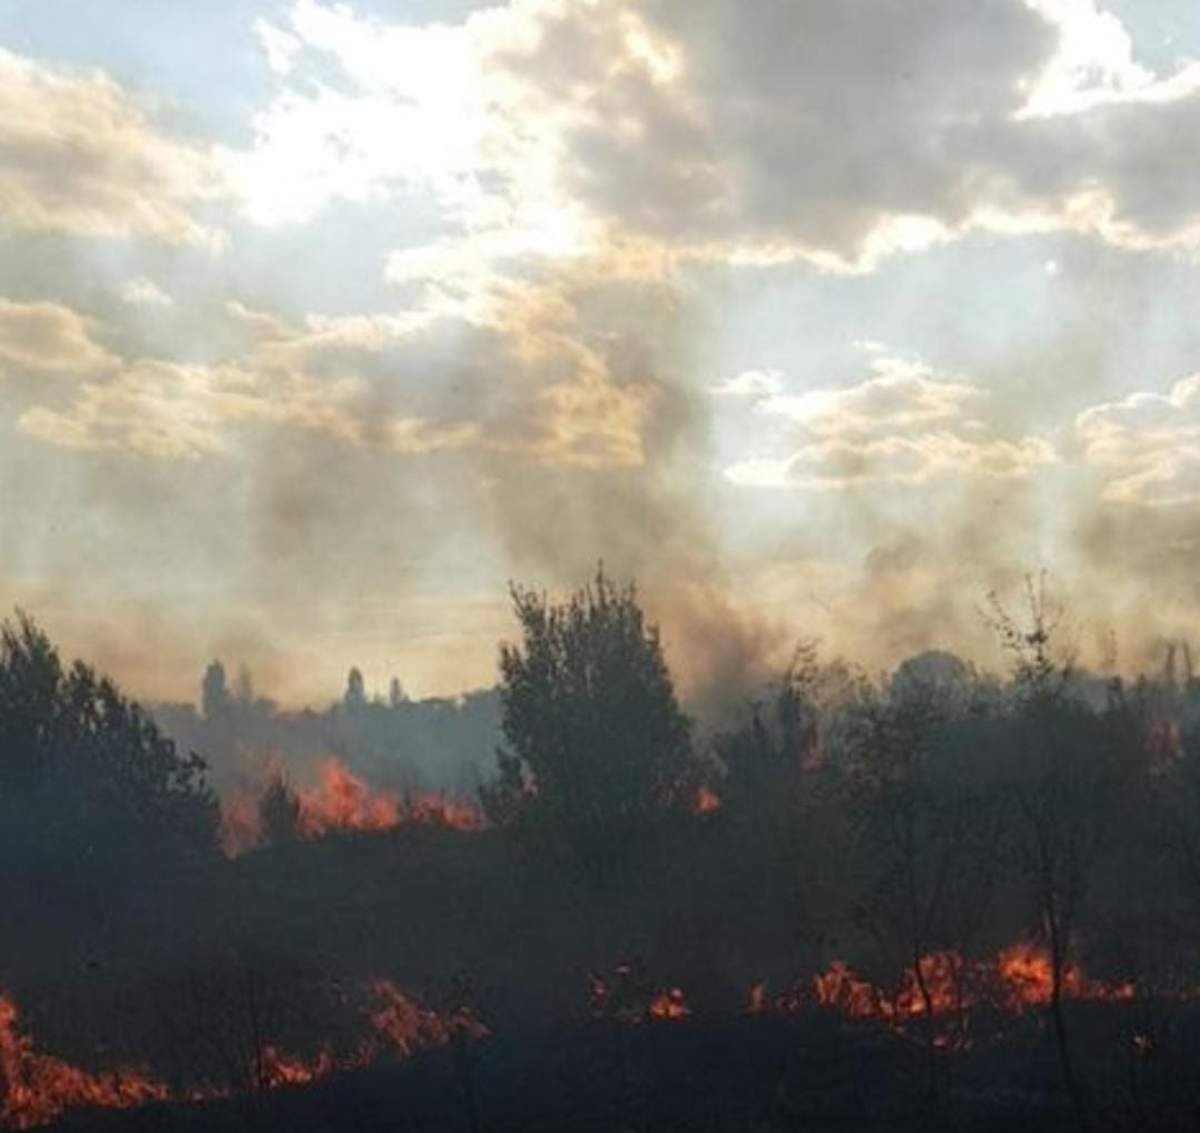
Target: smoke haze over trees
440 743
937 856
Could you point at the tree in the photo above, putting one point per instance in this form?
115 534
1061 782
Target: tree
598 748
279 812
928 823
355 697
214 692
1065 766
763 757
85 775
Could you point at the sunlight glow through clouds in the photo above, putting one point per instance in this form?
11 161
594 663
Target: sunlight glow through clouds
614 262
904 424
1095 65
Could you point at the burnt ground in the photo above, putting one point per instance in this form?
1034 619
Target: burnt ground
817 1072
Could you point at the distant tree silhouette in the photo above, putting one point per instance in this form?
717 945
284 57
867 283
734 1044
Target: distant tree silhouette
214 692
243 688
356 690
598 748
84 771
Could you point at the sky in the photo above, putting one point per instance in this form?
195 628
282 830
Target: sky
322 322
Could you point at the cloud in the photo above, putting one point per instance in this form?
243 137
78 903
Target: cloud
79 156
411 107
46 338
838 134
533 385
1094 65
168 410
143 292
843 133
750 384
905 424
1147 445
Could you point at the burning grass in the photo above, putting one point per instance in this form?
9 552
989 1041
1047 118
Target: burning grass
39 1088
1019 978
341 802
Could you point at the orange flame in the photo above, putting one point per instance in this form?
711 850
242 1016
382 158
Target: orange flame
626 997
341 801
670 1004
706 801
1027 977
406 1027
40 1088
1020 977
240 828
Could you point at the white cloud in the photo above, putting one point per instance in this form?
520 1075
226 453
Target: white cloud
1094 65
1147 445
144 292
79 156
905 424
750 384
47 338
279 46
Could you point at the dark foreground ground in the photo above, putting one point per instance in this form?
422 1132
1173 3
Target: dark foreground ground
817 1073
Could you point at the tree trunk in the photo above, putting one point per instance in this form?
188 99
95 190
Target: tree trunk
930 1031
1057 960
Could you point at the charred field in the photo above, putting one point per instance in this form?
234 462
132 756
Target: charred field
743 961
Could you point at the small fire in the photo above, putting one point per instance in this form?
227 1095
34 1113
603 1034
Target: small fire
1018 978
1027 976
398 1029
670 1004
706 801
627 997
39 1088
840 989
406 1028
342 802
240 828
279 1071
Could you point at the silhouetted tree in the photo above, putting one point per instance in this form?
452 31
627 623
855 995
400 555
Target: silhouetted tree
278 812
356 690
598 747
1064 768
243 688
928 819
764 756
214 692
84 772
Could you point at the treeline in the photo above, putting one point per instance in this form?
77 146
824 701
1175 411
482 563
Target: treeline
431 744
875 819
